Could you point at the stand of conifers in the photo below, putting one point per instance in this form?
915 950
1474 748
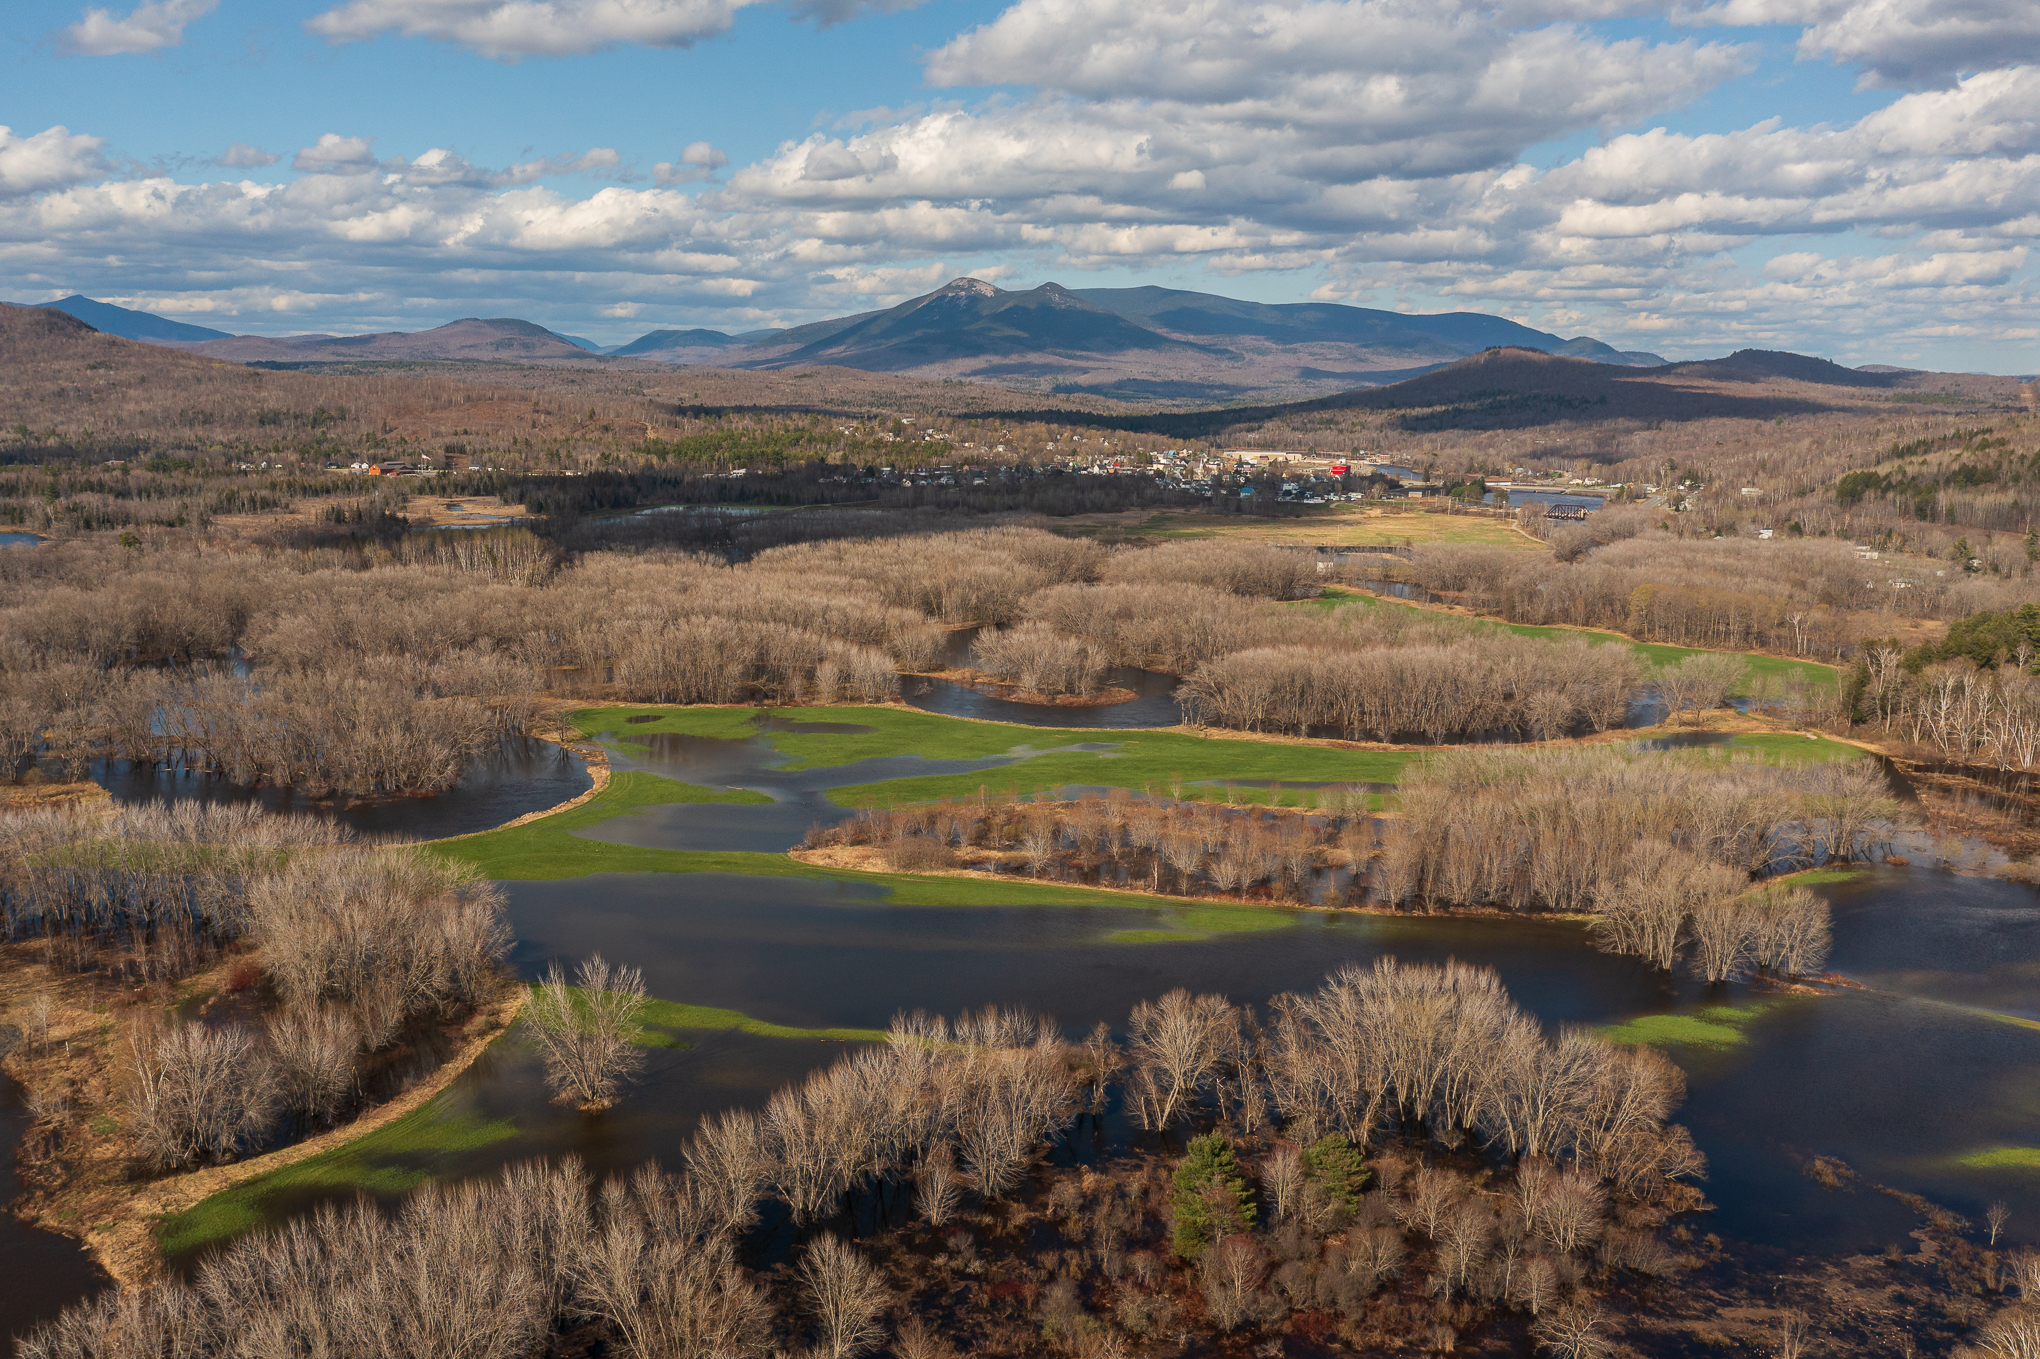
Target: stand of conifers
1402 1148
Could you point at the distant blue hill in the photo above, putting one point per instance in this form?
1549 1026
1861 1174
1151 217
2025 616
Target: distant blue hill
1204 314
129 325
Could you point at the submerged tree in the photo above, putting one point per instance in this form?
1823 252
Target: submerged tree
846 1295
589 1031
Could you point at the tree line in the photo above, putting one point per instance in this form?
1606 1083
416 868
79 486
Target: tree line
1669 855
1967 714
1799 597
1662 852
296 670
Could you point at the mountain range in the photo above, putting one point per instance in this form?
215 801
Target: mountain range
1142 344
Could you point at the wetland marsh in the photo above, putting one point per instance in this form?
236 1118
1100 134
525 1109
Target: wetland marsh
676 869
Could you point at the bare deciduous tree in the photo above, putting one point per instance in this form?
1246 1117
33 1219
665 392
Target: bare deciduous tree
845 1296
589 1032
198 1093
315 1051
1576 1330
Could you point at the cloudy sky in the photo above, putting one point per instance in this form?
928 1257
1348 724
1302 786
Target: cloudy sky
1852 178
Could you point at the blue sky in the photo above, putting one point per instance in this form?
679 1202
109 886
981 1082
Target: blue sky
1860 181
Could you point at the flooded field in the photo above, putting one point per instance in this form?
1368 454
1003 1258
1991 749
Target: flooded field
1923 1081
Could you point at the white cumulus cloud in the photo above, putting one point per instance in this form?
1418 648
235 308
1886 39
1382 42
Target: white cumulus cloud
510 29
1899 42
1372 151
149 27
337 155
697 161
53 158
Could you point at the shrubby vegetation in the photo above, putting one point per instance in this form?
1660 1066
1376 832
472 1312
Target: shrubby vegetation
1337 1189
1665 852
1661 852
1804 597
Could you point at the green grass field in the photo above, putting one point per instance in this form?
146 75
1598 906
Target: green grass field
1136 759
1717 1026
1776 669
398 1156
2002 1158
1789 747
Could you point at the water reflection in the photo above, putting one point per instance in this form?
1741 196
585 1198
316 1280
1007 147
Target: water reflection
1153 705
799 796
519 775
1929 934
43 1272
1898 1088
1901 1088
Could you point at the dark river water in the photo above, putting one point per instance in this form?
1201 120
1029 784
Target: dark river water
41 1273
520 775
1153 705
1936 1060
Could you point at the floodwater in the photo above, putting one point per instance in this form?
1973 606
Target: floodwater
1925 1066
520 775
1153 705
41 1273
1914 1080
1901 1084
800 796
